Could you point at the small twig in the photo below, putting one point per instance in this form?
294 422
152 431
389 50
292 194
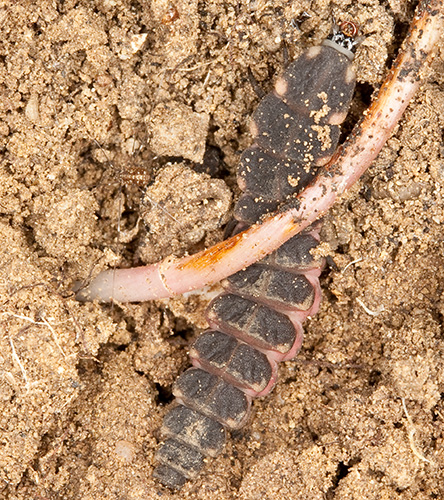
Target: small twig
173 276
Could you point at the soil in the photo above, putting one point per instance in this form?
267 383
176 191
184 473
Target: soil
97 94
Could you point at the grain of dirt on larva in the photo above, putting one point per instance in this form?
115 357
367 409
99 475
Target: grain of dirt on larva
359 413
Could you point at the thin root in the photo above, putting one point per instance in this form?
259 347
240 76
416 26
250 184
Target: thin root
369 311
17 360
411 433
351 264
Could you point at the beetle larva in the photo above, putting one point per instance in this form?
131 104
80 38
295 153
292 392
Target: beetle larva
257 322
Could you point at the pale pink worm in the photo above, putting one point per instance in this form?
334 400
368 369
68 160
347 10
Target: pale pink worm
174 276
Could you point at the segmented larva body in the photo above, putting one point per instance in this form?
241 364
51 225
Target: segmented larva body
257 321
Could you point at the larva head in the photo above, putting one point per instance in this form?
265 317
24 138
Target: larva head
344 38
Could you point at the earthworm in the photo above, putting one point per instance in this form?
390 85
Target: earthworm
174 276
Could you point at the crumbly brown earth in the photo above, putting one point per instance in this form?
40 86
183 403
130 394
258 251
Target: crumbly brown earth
359 414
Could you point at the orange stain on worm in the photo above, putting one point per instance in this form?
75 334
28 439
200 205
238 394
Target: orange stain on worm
212 255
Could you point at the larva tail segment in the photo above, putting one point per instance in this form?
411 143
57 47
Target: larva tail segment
236 360
257 321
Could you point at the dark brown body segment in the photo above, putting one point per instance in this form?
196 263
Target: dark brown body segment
254 323
212 396
261 174
321 78
194 429
275 287
258 321
239 363
187 460
294 254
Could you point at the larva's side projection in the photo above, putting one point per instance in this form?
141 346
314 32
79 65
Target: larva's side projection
257 322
